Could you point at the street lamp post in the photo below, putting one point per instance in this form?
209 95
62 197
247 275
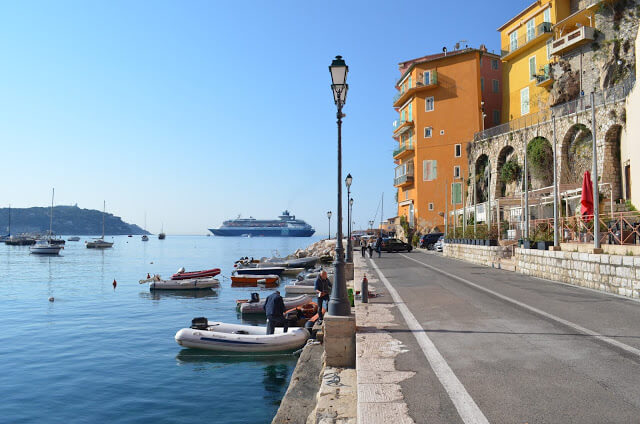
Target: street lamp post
348 182
329 216
339 303
371 225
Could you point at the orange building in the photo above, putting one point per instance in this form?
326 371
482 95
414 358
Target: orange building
441 102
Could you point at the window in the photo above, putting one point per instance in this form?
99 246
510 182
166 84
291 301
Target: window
456 172
496 117
456 193
428 132
549 43
410 111
482 84
513 40
532 67
458 150
441 132
428 104
524 101
409 81
496 85
547 14
406 195
430 206
427 77
429 170
494 64
531 29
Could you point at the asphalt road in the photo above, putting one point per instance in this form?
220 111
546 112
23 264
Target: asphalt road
495 346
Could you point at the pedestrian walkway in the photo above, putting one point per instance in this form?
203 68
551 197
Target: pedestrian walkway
452 342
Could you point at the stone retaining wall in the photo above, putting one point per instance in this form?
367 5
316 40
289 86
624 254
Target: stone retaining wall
483 255
610 273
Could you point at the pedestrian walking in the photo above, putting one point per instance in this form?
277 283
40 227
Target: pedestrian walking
379 246
363 246
323 289
274 309
370 247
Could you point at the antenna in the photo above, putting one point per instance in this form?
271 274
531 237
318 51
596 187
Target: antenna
459 43
444 50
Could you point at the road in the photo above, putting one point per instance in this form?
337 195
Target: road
489 345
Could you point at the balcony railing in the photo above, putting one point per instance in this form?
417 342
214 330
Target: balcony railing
404 174
523 40
610 95
403 179
402 149
546 74
572 40
420 83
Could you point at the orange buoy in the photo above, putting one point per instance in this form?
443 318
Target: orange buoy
114 284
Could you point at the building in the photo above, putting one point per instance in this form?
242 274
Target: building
440 102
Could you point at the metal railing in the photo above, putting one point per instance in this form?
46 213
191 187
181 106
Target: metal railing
401 149
610 95
546 74
403 179
524 39
433 80
615 228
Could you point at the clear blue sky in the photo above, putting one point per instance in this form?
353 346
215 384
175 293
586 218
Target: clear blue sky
197 111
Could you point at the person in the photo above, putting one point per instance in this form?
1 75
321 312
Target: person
323 289
370 246
379 245
363 246
274 309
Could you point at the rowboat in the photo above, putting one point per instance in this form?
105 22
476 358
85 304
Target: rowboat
300 289
182 275
253 280
260 271
220 336
158 283
245 306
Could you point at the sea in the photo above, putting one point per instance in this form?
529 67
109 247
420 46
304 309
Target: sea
99 353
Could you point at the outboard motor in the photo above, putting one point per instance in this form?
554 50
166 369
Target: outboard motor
200 323
255 298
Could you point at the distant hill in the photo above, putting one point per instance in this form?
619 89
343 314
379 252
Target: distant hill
67 220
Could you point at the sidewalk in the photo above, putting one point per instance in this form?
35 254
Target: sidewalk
380 399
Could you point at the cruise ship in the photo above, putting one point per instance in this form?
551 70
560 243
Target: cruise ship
285 226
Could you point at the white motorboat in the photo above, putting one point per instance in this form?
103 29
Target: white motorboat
292 271
74 238
249 307
300 289
46 246
158 283
220 336
145 238
99 243
43 247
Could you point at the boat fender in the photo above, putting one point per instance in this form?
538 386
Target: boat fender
114 284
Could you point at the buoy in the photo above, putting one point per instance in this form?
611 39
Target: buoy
148 276
51 299
114 284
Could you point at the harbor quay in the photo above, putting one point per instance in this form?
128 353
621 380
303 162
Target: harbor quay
451 340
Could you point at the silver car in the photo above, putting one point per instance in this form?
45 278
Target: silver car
438 246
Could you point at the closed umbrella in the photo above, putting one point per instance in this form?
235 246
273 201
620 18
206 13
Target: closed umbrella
586 200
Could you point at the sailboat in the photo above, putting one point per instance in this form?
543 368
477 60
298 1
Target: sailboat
8 235
144 236
99 243
162 235
44 246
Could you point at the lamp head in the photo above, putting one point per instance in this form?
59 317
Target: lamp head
329 214
339 70
348 180
351 202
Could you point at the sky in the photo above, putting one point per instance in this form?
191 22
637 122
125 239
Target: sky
193 112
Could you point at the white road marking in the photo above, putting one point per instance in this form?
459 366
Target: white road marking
464 403
608 340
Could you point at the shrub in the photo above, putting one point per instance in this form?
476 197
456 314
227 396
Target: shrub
540 156
510 171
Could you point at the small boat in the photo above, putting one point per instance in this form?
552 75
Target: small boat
182 275
99 243
253 280
256 305
130 235
43 247
145 238
300 289
211 335
158 283
292 271
260 271
74 238
162 235
20 241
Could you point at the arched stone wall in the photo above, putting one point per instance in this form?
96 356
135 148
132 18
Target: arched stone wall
577 154
611 167
540 165
507 153
480 175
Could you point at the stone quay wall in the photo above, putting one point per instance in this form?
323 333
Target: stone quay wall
609 273
482 255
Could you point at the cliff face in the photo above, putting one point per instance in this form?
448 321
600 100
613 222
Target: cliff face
66 220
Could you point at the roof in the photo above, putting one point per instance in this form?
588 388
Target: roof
528 8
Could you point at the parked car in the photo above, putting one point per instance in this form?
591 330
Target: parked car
395 245
427 241
439 245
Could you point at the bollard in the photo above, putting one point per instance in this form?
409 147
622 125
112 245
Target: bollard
364 290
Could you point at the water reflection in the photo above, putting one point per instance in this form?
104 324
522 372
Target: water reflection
275 380
197 356
178 294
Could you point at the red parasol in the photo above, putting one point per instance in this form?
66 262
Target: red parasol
586 201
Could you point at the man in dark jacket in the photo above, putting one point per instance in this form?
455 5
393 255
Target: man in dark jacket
274 309
379 246
323 288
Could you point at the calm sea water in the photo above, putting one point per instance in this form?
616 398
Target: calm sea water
102 355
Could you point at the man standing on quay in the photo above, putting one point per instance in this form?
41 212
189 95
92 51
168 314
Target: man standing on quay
323 288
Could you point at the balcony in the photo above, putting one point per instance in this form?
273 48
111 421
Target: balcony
401 126
421 85
573 40
403 151
404 175
545 78
541 33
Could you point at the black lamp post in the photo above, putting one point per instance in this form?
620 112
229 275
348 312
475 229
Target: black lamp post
339 302
329 216
371 225
348 182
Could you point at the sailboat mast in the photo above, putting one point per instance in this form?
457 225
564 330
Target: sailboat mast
104 208
53 192
9 220
382 213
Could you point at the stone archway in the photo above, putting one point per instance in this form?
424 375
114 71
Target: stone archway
508 176
611 167
577 154
540 162
480 176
